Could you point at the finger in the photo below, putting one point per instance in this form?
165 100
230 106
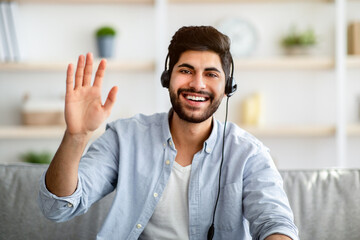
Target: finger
88 69
100 73
70 78
110 100
79 71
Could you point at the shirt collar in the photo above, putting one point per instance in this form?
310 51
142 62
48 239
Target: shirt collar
166 128
208 144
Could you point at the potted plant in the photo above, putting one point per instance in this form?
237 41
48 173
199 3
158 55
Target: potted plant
296 42
105 37
37 157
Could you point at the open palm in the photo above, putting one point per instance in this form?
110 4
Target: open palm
84 111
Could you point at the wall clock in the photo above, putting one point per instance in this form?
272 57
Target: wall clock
242 34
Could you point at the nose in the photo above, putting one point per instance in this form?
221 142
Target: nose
197 82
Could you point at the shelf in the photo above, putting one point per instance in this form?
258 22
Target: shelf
89 1
35 132
53 132
271 63
169 1
245 1
24 132
276 63
353 62
286 63
353 130
291 131
126 66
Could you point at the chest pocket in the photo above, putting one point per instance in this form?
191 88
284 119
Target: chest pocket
229 210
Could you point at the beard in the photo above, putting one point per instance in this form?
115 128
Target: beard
182 111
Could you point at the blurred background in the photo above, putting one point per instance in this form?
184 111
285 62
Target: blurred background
297 67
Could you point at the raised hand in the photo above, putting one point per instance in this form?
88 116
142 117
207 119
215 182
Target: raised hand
84 111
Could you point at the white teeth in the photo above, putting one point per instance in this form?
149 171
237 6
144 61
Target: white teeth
194 98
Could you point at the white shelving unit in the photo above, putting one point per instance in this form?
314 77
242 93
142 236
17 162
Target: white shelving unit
340 66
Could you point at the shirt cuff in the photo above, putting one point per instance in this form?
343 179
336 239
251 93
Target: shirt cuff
73 199
283 231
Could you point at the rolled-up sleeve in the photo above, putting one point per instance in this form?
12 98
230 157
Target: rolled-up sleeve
265 202
97 177
56 208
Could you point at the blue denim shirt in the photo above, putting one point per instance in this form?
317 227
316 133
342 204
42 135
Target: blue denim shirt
135 157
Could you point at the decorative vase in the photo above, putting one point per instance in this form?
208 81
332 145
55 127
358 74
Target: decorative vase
106 46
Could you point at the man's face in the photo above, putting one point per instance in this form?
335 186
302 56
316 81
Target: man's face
197 85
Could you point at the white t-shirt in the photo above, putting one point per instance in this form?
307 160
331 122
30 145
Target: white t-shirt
171 216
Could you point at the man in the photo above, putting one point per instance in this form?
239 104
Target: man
166 167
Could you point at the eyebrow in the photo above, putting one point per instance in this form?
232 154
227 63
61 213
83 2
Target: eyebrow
193 68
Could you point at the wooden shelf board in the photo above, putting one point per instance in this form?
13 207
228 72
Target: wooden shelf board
169 1
244 1
88 1
35 132
353 61
272 63
291 131
286 63
53 132
44 132
25 132
353 130
62 66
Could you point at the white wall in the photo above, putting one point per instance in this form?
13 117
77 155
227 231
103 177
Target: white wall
57 32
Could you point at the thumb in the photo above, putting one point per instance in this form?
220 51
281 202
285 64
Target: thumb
110 100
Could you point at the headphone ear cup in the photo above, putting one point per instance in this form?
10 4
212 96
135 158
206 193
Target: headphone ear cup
165 79
230 87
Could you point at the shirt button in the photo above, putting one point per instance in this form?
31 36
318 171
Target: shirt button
167 162
170 143
208 149
156 195
138 226
69 205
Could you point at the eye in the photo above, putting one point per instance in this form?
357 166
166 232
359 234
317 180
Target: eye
185 71
212 75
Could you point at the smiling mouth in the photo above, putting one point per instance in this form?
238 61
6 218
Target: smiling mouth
195 98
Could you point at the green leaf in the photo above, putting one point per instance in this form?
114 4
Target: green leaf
105 31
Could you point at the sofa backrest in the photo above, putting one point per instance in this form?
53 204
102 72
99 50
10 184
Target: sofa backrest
325 204
21 217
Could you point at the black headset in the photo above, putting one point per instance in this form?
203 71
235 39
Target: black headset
230 85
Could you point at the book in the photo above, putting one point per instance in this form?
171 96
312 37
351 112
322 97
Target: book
12 15
2 41
4 36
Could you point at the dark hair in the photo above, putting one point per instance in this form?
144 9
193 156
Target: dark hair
200 38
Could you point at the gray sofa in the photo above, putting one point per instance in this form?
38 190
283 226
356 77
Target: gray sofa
326 205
